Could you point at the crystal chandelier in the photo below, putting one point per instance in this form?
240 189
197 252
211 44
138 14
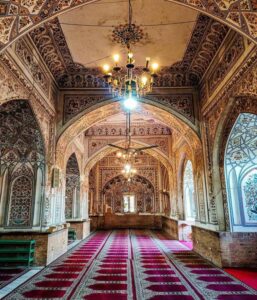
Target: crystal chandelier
129 83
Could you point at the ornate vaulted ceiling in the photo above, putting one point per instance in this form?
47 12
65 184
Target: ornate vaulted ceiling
91 46
184 51
18 17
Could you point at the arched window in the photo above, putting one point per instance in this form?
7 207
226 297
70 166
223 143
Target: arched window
241 173
189 192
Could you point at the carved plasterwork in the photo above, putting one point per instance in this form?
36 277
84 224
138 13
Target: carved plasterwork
108 151
206 38
17 17
15 86
237 84
32 65
120 130
76 103
241 104
94 145
93 117
142 188
182 104
228 59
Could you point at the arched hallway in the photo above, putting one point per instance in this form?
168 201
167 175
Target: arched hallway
128 149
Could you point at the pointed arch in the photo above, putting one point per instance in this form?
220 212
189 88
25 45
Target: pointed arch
140 187
189 192
240 164
22 159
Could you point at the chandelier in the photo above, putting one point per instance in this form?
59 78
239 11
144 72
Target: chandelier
128 83
128 154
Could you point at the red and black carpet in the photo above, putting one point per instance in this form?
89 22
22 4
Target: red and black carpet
133 264
7 275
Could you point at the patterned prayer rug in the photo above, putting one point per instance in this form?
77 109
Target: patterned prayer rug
132 264
9 274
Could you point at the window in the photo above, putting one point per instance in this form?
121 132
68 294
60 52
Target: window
241 173
129 203
189 192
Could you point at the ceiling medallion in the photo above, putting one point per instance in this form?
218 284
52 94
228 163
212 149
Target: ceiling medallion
127 84
127 34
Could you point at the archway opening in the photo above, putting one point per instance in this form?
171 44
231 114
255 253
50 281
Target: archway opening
189 202
240 165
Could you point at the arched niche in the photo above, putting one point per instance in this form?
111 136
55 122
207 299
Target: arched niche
22 166
227 120
240 165
72 189
141 189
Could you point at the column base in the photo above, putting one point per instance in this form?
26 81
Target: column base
49 244
226 249
82 228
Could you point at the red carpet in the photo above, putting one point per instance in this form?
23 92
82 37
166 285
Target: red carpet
248 276
132 265
7 275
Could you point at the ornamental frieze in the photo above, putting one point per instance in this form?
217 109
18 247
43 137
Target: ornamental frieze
95 145
74 104
226 62
18 17
205 40
120 130
26 56
181 103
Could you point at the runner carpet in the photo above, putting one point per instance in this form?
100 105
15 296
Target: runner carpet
7 275
132 264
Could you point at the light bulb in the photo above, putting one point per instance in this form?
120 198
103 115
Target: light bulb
130 103
130 55
127 168
144 80
119 154
116 58
106 68
155 66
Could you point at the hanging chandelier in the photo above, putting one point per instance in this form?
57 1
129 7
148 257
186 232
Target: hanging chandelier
128 154
128 83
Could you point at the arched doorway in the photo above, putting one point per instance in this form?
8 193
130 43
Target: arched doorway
121 196
185 227
240 166
189 192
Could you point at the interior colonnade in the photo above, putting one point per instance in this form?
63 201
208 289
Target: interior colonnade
59 120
